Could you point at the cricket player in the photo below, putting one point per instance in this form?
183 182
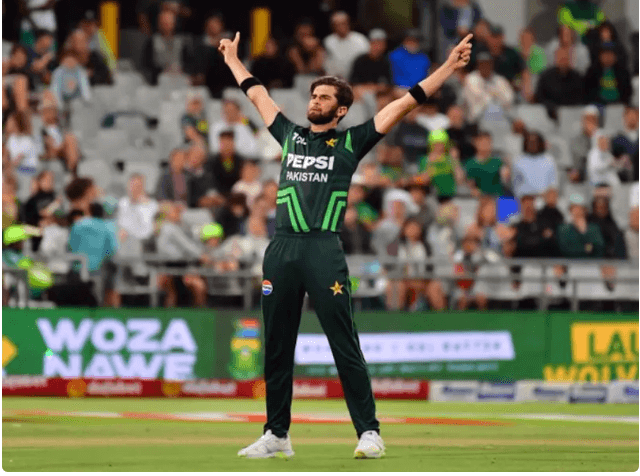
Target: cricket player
306 254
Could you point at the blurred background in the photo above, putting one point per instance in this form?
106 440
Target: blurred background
136 173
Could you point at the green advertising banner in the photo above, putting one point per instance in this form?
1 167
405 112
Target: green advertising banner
591 347
192 343
150 343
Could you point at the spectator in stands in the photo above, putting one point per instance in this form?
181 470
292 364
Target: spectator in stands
624 146
172 184
165 51
147 12
136 212
580 145
176 246
42 60
92 61
272 68
70 80
233 215
486 226
535 170
55 236
365 213
343 46
355 237
580 15
12 211
560 85
531 241
16 80
442 236
202 190
222 258
23 151
243 130
39 204
409 137
440 168
483 88
426 206
507 62
608 81
226 165
371 72
457 19
249 183
533 55
481 34
306 53
414 288
579 238
578 52
614 242
195 126
485 170
602 166
430 116
248 249
461 133
550 218
38 15
209 68
389 228
408 64
467 260
631 234
262 208
58 143
606 33
98 42
81 193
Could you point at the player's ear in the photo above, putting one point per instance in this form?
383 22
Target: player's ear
342 111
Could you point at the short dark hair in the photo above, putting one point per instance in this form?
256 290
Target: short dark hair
541 144
96 210
483 133
227 133
74 215
78 187
344 93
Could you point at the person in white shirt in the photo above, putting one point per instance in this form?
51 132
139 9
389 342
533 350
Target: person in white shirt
343 46
24 152
249 183
58 143
136 212
431 118
233 119
483 88
579 53
601 164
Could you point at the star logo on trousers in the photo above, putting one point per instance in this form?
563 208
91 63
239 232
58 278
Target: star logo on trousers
337 288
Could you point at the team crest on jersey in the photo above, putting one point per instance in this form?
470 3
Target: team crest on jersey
267 287
331 142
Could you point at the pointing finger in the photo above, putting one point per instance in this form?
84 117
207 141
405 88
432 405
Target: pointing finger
467 39
237 38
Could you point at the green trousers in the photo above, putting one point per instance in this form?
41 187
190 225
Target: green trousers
313 263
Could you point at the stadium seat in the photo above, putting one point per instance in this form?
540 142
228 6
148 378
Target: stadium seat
619 205
126 65
513 145
559 150
168 82
570 120
147 100
99 170
496 123
111 142
627 291
292 104
180 95
614 118
535 118
634 85
357 115
468 208
592 290
86 119
105 96
196 217
128 81
302 83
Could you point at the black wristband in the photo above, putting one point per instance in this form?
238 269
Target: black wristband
418 94
249 83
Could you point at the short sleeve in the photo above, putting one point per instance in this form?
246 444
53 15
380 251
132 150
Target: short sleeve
361 139
280 128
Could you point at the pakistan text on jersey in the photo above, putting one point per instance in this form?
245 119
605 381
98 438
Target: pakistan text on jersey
307 177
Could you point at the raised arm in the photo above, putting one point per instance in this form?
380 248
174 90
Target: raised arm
396 110
257 94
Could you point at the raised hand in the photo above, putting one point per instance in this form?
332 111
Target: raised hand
461 54
228 48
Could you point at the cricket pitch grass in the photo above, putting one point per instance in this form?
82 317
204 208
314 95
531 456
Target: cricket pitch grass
126 434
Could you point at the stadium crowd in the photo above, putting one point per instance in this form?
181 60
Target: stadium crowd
442 185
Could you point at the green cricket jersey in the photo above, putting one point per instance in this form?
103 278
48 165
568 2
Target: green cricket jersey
316 173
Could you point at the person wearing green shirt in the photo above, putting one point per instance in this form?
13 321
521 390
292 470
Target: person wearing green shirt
438 168
484 170
580 15
580 239
533 54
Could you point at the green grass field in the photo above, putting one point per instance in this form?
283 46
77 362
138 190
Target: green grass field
46 443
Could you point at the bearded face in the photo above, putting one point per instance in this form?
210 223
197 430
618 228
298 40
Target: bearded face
318 117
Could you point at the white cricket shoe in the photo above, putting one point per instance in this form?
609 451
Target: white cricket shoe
370 446
269 446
